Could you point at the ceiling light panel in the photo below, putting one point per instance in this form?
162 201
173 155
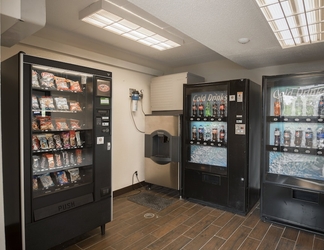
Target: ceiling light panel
98 14
295 22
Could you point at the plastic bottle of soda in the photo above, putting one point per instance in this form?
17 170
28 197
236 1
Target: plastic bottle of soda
277 108
321 106
320 137
214 133
222 109
207 133
299 106
310 106
215 109
208 110
309 138
201 133
298 137
287 137
194 109
222 134
201 109
194 132
277 137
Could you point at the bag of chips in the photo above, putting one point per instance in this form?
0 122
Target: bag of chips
75 86
78 139
61 103
35 78
45 123
78 154
35 143
46 103
66 139
74 124
47 80
72 138
42 141
58 142
36 163
46 180
35 105
50 161
75 106
61 178
61 83
35 183
35 126
61 124
74 174
58 159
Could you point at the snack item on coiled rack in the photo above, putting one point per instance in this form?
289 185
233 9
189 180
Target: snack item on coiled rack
61 124
35 77
47 80
46 103
61 103
75 86
46 180
75 106
61 83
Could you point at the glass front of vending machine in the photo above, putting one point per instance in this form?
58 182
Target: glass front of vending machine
292 150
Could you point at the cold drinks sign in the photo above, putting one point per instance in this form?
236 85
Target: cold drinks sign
211 97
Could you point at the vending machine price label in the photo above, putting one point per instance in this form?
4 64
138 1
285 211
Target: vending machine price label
219 145
296 120
319 152
198 142
286 119
307 151
296 150
275 149
275 119
205 119
205 143
219 119
198 119
212 119
320 120
212 144
308 119
191 119
285 149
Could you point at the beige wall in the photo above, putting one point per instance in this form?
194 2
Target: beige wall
226 70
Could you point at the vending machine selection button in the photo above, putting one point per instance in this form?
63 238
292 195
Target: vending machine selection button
105 124
240 129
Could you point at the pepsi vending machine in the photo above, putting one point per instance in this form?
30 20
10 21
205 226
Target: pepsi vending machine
293 150
221 144
56 127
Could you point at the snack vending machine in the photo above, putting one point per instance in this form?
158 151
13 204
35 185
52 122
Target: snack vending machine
56 128
293 150
221 144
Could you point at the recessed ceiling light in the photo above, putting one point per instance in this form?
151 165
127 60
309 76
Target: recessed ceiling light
117 19
243 40
295 22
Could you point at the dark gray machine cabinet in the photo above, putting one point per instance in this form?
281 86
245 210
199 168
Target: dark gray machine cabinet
222 172
292 188
76 101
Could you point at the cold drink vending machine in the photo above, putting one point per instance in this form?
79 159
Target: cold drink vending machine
221 144
293 150
56 151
